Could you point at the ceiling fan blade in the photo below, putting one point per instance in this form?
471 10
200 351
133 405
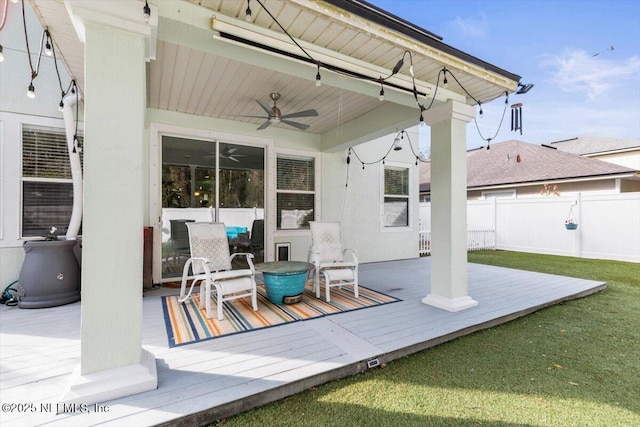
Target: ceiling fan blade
204 153
265 107
253 117
305 113
295 124
233 158
264 125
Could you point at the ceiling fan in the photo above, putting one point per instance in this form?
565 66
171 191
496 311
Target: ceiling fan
274 115
227 153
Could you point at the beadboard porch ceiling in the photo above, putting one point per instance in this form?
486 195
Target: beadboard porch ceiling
186 79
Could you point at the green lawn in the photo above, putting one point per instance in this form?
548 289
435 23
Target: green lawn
574 364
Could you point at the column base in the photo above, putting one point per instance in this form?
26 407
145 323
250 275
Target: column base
112 383
450 304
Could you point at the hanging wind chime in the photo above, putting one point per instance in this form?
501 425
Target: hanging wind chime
516 117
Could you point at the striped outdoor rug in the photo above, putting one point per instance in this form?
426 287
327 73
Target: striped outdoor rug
187 324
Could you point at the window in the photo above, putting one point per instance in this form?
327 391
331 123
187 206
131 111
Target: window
295 190
395 210
47 188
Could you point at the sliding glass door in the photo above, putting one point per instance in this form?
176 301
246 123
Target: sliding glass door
212 181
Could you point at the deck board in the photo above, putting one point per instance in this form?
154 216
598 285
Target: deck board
215 378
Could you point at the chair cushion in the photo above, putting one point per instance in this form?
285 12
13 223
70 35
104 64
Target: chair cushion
336 264
230 274
337 274
236 285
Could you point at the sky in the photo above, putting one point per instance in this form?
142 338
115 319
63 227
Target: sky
582 86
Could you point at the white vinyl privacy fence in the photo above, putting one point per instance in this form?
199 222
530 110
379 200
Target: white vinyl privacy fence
478 238
608 225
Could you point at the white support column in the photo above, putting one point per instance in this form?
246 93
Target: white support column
117 44
449 206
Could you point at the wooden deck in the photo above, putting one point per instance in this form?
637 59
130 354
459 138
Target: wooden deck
213 379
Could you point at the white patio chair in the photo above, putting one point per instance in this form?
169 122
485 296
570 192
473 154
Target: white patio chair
331 260
210 263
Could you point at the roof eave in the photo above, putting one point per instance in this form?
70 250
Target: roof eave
381 17
632 175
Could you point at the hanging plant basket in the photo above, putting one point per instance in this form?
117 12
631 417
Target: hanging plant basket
570 223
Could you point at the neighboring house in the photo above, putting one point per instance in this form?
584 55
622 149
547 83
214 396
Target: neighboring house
623 152
519 169
179 124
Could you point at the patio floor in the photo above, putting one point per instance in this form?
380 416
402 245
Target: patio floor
213 379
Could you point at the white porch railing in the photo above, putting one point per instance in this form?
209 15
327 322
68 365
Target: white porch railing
478 238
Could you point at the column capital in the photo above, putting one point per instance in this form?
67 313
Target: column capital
449 110
121 14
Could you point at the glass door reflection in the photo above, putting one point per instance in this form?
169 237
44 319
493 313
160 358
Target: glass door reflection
210 181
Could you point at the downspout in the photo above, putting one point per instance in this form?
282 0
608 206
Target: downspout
68 115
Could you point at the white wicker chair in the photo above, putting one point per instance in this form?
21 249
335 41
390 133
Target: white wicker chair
210 263
331 260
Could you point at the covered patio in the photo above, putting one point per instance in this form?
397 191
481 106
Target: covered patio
198 71
209 380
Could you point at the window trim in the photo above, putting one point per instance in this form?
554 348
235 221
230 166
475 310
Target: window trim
53 125
409 226
300 154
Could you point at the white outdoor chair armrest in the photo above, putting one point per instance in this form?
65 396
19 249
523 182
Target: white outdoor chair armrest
353 253
249 257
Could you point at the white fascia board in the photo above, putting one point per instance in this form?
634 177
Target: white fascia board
555 181
404 42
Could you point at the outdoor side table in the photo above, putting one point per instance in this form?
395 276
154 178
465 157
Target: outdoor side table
284 281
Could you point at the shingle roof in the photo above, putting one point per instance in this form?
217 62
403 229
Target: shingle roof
499 166
593 144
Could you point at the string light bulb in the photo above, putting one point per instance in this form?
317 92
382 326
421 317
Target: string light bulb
47 48
397 142
61 105
146 12
318 77
381 97
1 54
247 13
31 91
